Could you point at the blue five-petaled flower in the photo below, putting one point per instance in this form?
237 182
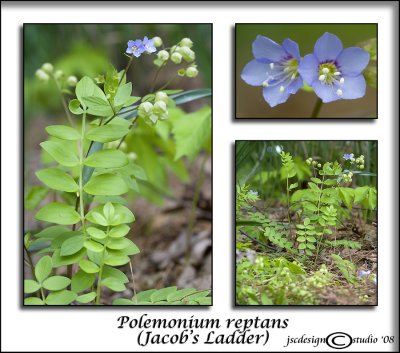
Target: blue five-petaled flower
333 72
138 47
348 156
274 68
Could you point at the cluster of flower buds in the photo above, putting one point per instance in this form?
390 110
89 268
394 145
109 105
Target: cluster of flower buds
347 178
47 71
310 161
176 54
152 112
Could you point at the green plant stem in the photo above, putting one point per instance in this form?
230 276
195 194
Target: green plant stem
64 103
133 282
98 291
317 108
288 199
192 215
81 166
320 194
153 84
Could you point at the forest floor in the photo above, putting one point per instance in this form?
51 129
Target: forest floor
341 291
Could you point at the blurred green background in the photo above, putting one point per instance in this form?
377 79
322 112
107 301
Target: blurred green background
249 100
258 163
87 49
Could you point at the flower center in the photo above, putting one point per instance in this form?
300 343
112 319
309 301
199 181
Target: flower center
328 74
282 73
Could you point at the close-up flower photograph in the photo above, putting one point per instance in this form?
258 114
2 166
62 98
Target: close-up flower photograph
306 71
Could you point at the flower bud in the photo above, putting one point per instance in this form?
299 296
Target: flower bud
72 81
187 54
181 72
319 165
358 160
350 174
163 55
145 109
162 96
308 162
176 58
59 74
41 75
123 146
132 156
157 41
47 67
159 107
314 163
186 42
191 72
361 166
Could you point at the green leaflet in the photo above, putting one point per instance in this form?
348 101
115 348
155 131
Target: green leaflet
107 133
57 179
106 184
191 132
31 286
60 153
55 283
35 195
72 245
114 284
33 301
107 159
63 132
123 93
43 268
58 213
89 266
81 281
64 297
86 298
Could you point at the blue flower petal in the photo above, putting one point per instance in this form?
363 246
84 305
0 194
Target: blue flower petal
308 68
352 61
274 96
265 48
291 48
327 47
328 93
254 73
353 87
295 85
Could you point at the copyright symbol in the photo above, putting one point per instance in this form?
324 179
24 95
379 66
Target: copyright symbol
339 340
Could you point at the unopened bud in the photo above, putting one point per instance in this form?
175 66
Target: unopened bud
41 75
157 41
187 54
162 96
163 55
59 74
159 107
176 58
72 81
47 67
186 42
181 72
191 72
145 109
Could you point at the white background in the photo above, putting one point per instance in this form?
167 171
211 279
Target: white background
96 330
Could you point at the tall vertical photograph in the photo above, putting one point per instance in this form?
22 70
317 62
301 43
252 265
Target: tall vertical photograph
117 164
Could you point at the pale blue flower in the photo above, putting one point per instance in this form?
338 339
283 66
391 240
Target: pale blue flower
348 156
333 72
135 47
274 68
148 45
362 274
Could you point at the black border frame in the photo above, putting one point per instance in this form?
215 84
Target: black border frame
22 183
365 307
352 119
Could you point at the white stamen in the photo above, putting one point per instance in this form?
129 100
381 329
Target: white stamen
271 65
337 73
265 83
322 78
339 92
281 89
342 80
325 70
293 77
286 69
